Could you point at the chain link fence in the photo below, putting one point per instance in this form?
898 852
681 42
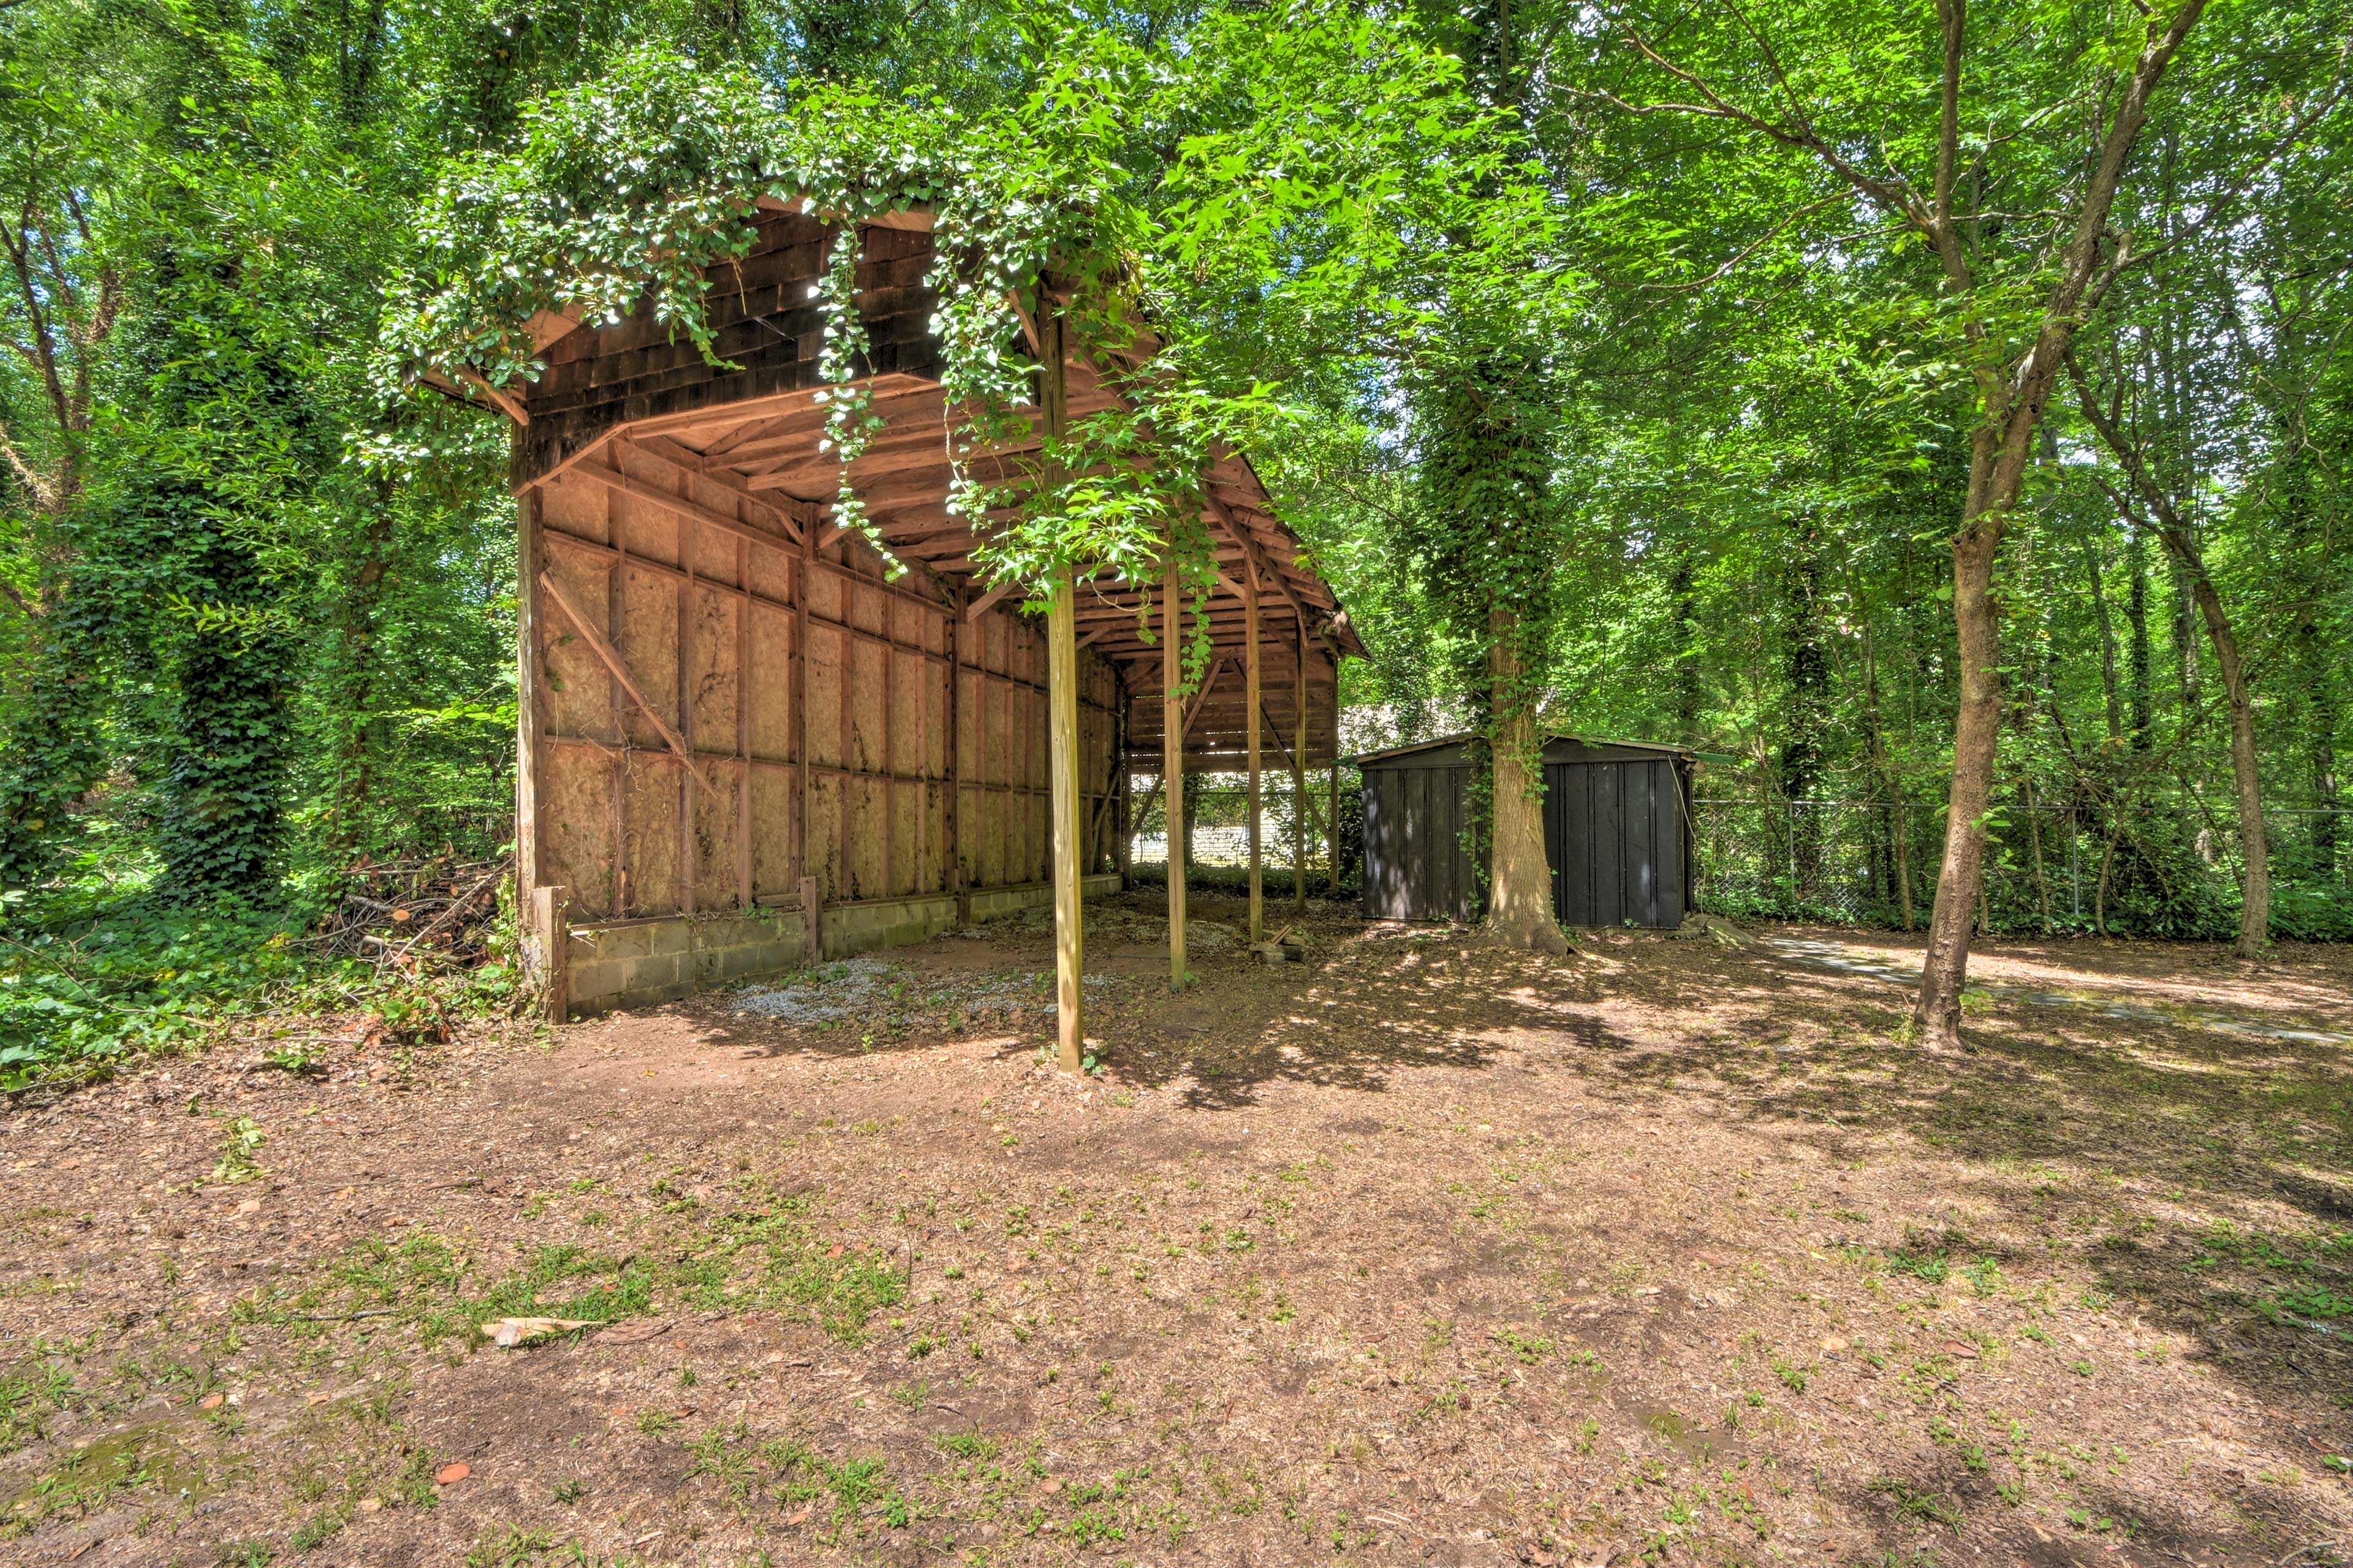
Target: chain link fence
2156 872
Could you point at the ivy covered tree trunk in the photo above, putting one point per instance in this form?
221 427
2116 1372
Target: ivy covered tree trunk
1519 887
57 748
1486 541
1804 750
2254 842
224 789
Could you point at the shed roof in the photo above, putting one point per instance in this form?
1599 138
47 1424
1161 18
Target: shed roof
1442 742
749 441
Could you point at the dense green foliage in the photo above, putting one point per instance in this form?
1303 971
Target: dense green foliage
1597 337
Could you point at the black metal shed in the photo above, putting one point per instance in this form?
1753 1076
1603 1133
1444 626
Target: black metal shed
1617 821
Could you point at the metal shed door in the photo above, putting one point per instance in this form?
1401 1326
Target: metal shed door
1614 832
1415 868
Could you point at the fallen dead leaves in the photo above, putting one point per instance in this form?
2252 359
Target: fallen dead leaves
509 1332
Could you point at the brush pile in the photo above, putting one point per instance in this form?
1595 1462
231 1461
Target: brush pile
408 913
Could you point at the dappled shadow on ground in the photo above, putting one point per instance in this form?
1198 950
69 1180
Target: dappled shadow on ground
1417 1251
1369 1005
2206 1161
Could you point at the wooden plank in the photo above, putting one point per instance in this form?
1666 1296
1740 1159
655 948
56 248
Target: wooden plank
686 855
1239 531
654 495
743 894
955 637
990 600
1331 830
1669 839
684 462
611 659
1172 768
1062 663
1299 781
505 402
555 952
1251 700
801 864
616 602
530 680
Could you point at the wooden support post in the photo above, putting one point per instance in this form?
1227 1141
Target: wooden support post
685 708
955 880
744 896
1124 823
1062 742
1332 816
1172 767
554 945
528 681
1063 695
812 927
1250 701
804 783
1298 780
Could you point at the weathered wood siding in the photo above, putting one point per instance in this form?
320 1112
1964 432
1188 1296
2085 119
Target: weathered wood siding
844 728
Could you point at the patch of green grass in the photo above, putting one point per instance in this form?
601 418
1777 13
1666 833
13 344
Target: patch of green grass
1530 1348
30 1393
318 1530
1922 1255
2307 1302
513 1547
1910 1502
766 1259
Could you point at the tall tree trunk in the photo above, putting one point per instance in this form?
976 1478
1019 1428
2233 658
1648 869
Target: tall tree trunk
2325 706
1976 731
2094 573
2185 644
355 750
2255 880
1519 878
1806 669
1681 588
1884 775
2137 650
2254 842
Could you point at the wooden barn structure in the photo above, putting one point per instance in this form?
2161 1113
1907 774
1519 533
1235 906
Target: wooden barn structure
741 747
1617 826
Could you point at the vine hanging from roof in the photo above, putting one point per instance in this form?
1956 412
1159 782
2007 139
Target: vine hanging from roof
620 195
1267 197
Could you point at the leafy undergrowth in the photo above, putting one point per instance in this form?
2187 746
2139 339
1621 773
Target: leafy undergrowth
93 978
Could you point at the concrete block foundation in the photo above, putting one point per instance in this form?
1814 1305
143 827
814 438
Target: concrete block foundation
643 964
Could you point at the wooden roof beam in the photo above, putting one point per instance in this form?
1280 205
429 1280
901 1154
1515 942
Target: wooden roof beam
654 495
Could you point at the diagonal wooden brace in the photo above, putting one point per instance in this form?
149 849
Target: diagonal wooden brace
611 658
1200 699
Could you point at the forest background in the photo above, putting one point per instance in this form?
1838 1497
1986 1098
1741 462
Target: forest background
1628 370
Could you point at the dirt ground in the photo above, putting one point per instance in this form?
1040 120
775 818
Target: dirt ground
1415 1251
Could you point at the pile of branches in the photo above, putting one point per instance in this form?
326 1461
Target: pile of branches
406 913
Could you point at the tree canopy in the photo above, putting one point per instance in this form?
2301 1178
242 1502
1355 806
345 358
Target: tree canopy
1941 409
